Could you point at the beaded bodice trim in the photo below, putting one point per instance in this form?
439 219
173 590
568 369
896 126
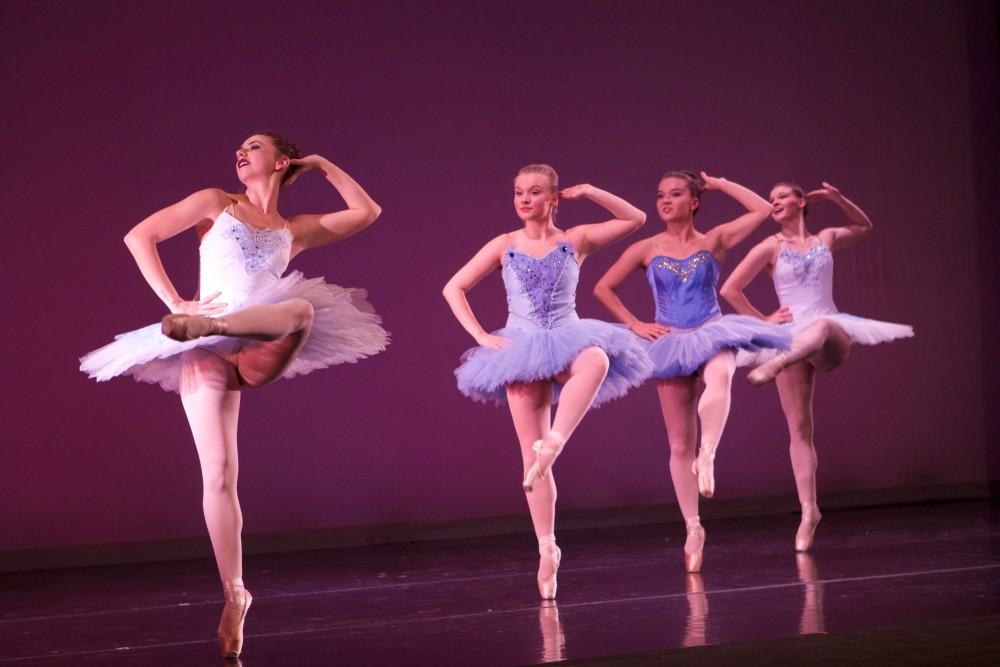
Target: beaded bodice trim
540 277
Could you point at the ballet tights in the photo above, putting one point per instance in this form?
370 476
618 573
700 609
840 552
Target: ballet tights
713 406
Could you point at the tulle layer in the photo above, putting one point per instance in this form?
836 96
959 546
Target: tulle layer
682 353
345 328
861 330
541 354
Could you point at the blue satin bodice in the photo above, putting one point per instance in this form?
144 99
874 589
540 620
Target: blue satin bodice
684 289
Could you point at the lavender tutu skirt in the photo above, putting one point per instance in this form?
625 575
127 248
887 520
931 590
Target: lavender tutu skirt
541 354
345 329
683 352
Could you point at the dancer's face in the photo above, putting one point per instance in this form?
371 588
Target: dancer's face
533 197
258 157
785 205
674 201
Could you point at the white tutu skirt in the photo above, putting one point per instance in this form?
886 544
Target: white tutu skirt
683 352
345 328
541 354
861 330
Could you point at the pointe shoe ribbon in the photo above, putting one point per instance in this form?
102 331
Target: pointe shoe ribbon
547 450
703 467
234 614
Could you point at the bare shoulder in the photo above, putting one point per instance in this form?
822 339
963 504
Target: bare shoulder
827 235
769 248
641 252
497 246
213 198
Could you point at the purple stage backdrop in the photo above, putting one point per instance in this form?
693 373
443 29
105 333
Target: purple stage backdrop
112 110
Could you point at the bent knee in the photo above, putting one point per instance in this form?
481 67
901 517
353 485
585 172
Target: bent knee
303 311
595 357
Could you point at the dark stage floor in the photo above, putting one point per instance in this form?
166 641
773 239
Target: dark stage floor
912 584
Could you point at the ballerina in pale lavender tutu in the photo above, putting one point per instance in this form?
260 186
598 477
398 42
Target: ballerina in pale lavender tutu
801 265
249 327
546 353
690 336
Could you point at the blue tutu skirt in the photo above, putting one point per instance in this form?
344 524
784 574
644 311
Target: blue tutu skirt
541 354
683 352
345 328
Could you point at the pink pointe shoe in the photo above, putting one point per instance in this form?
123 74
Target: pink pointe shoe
238 601
807 527
183 328
547 449
767 371
703 468
693 555
549 557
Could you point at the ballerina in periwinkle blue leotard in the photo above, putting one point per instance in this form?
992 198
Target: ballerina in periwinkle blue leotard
686 301
545 352
546 334
690 337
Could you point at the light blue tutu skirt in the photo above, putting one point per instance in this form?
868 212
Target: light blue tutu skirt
541 354
683 352
861 330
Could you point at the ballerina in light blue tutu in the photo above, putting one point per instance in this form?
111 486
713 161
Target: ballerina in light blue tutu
801 266
690 336
546 352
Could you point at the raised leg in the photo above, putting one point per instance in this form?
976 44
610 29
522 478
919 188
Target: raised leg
713 412
581 382
823 343
259 363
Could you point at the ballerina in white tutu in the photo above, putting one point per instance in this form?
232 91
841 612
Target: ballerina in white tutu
801 265
546 352
249 326
691 336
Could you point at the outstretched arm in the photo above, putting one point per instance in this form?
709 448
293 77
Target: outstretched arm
858 224
631 260
312 230
482 264
588 239
164 224
732 290
725 236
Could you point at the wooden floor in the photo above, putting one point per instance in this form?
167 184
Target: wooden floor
916 584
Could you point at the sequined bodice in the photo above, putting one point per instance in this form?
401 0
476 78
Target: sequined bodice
684 289
237 260
804 280
541 291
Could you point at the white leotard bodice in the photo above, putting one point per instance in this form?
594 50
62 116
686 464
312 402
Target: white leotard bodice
804 281
238 260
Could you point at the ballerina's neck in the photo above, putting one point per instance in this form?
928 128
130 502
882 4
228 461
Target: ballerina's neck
263 197
540 230
681 232
795 229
